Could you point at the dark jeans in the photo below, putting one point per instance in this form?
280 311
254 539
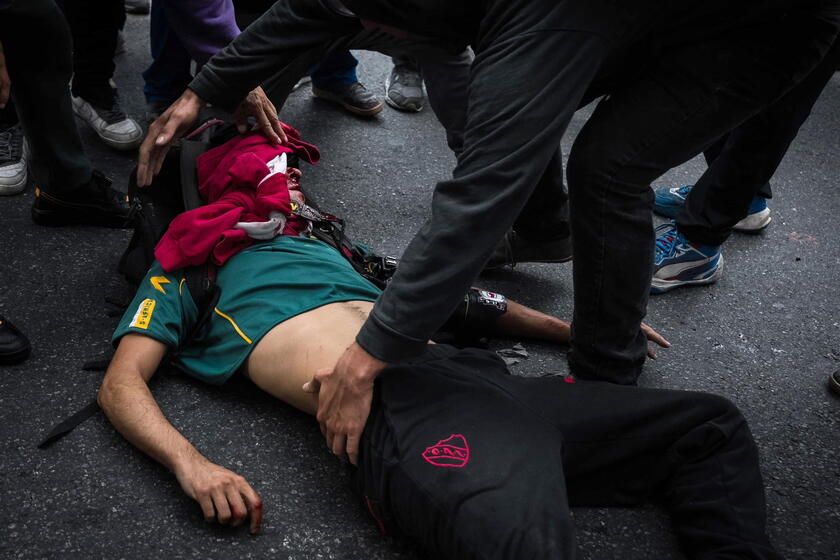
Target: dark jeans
475 463
94 27
742 163
40 70
167 76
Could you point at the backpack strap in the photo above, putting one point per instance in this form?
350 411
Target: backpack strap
69 424
190 150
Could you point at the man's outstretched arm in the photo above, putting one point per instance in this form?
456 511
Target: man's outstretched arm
125 397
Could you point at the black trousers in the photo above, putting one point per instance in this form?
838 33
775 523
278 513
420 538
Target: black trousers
742 163
94 26
38 46
475 463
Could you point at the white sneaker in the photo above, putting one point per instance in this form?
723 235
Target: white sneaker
13 155
111 124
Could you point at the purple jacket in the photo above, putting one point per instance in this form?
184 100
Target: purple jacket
204 27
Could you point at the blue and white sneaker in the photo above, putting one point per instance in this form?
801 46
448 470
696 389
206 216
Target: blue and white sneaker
678 262
758 217
668 201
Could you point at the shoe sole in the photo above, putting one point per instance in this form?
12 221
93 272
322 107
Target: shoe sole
54 218
121 146
511 265
332 98
394 104
659 286
16 188
754 222
834 382
15 357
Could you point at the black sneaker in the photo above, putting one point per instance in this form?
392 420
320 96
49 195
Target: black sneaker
354 98
95 204
14 346
513 249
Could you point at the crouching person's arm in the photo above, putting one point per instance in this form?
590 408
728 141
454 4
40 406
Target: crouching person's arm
125 397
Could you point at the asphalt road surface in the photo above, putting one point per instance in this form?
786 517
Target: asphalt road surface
766 335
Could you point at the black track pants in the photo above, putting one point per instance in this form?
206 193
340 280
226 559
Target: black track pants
475 463
742 163
37 45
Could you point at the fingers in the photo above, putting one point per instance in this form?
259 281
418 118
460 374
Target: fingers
238 509
339 445
255 507
651 352
654 336
278 129
207 509
312 386
220 503
264 124
353 447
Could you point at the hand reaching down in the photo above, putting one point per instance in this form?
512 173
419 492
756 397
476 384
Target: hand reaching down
223 495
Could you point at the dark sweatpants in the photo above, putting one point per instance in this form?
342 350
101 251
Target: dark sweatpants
742 163
38 50
475 463
94 26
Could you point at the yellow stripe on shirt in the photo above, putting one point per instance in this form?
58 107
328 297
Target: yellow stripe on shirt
235 326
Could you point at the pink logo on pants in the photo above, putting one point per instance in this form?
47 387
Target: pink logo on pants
450 452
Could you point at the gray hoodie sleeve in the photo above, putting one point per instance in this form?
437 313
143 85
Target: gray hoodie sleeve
284 39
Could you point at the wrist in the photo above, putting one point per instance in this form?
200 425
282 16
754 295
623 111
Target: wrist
191 97
187 461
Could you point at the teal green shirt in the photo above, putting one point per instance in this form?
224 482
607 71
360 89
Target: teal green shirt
261 286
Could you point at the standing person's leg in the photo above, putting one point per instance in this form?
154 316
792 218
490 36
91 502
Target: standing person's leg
693 452
454 462
168 75
541 231
94 28
69 191
748 159
335 80
689 98
518 109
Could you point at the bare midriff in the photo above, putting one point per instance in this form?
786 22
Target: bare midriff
291 352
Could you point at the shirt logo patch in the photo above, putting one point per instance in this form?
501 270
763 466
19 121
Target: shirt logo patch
450 452
158 281
144 314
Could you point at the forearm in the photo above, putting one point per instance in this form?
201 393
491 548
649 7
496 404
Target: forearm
277 42
523 321
132 409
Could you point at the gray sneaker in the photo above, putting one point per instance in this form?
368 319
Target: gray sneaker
404 89
111 124
354 98
13 154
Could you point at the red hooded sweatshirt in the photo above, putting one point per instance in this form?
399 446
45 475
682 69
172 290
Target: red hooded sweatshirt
237 182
